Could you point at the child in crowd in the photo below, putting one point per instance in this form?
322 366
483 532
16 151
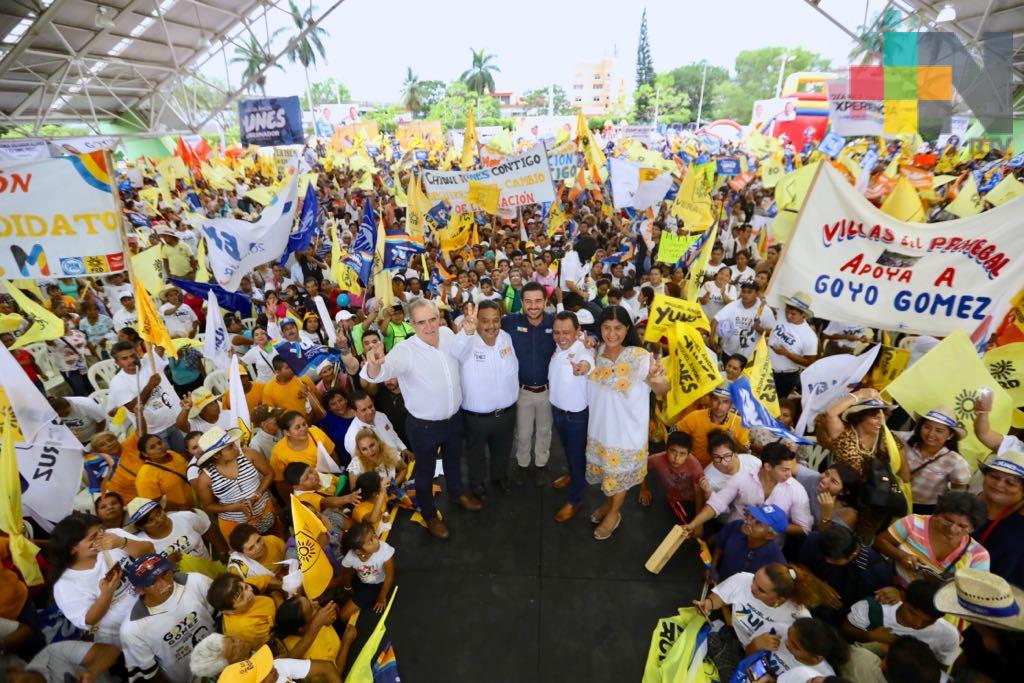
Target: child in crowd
810 649
254 558
371 563
680 475
245 615
319 492
308 630
374 493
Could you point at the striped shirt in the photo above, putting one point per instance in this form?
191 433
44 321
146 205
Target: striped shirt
911 533
240 489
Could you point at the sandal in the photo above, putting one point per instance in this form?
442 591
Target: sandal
598 536
596 516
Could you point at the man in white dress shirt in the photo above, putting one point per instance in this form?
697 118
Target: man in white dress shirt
567 382
432 387
368 417
490 389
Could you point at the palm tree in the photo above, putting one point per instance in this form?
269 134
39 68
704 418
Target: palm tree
305 51
254 56
868 49
478 77
412 97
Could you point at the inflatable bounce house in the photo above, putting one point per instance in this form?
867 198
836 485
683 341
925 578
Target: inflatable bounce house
800 114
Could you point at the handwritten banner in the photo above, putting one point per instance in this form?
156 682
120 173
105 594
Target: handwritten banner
672 247
523 179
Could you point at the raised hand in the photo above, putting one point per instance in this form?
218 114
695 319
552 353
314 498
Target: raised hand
469 319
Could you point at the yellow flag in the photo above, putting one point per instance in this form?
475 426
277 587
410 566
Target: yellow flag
382 287
691 370
147 266
23 551
929 383
792 188
419 205
693 202
696 278
890 363
556 219
151 325
362 666
762 381
484 195
456 235
261 195
903 204
202 272
1006 365
317 571
771 171
347 279
895 462
469 143
400 197
172 167
151 196
1007 189
968 202
667 311
762 145
45 325
591 151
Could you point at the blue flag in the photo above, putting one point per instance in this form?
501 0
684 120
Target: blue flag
753 414
300 240
137 219
192 201
399 248
832 144
360 258
304 359
232 301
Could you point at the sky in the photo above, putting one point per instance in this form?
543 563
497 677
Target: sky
372 42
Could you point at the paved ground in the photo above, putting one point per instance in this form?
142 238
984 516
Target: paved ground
513 596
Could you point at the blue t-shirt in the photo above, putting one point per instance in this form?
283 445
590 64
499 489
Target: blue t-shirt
738 557
335 428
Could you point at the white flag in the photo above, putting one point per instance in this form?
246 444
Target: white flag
50 469
825 380
239 410
36 419
217 346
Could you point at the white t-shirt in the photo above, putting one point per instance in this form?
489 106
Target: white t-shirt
571 271
163 636
750 616
57 660
745 275
838 327
124 318
567 390
178 321
77 589
85 418
224 421
381 425
942 637
186 536
262 362
717 300
710 270
734 325
718 480
371 570
163 406
804 673
291 669
798 339
784 662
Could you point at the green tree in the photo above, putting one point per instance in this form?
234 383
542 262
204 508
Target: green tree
412 98
330 91
536 101
385 117
479 76
254 56
454 107
643 99
432 92
687 79
757 74
867 49
306 49
205 97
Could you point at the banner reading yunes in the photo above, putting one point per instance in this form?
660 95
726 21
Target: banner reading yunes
269 121
58 218
666 311
863 266
523 179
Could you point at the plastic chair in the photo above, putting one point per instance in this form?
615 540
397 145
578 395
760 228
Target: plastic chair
248 323
100 396
217 382
101 373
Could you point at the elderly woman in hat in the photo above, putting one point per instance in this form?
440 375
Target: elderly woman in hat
934 464
201 411
233 482
792 344
1002 492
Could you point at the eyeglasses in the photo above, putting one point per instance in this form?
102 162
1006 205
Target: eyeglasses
722 457
954 526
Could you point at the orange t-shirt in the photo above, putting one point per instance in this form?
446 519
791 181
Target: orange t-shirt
165 479
282 454
698 425
13 591
286 396
253 397
123 480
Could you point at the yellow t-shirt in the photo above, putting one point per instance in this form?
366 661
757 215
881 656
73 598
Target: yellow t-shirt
154 480
253 397
282 453
178 258
698 424
122 482
275 553
286 396
325 646
254 625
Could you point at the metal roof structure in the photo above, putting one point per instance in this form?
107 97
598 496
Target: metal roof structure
973 19
131 61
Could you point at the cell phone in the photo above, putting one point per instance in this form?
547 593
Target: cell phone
759 668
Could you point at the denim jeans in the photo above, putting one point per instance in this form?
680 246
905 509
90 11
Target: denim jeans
429 439
572 432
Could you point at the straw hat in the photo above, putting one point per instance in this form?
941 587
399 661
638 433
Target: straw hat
252 670
722 390
201 398
1010 462
982 597
215 440
800 301
138 508
869 404
945 417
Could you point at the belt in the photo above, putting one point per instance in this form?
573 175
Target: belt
494 413
534 390
559 411
447 419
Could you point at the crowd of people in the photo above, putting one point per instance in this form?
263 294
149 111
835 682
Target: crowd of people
466 372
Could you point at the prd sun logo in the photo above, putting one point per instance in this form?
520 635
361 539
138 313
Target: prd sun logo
967 404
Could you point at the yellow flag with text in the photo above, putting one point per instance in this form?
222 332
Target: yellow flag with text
696 278
693 202
456 235
316 568
903 203
556 219
484 195
771 171
23 551
419 205
968 202
691 370
666 311
762 380
147 266
347 279
1007 189
151 325
1006 365
45 325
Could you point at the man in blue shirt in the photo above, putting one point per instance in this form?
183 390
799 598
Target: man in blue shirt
534 345
750 543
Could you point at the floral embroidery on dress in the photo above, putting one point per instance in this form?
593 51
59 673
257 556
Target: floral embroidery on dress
622 373
616 469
